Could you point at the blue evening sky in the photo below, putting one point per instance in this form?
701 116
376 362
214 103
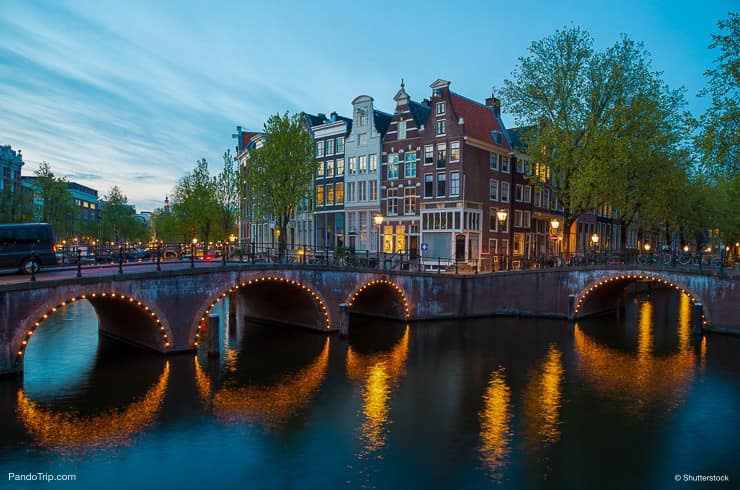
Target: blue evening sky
132 93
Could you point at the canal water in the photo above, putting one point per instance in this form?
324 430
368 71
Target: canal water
628 402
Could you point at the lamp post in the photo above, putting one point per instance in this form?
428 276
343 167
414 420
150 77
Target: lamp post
232 240
502 214
554 229
595 244
192 252
378 219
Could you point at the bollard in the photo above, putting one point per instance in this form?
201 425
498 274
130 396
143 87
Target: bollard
344 319
214 336
571 306
79 267
697 318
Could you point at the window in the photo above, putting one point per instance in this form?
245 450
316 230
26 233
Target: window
504 161
410 167
329 194
505 245
393 166
518 218
352 165
340 145
362 139
441 155
546 198
319 149
428 154
392 203
330 168
373 190
518 243
504 192
329 147
401 130
319 195
440 107
320 171
498 137
372 162
519 193
351 196
362 191
538 198
520 166
428 185
361 117
493 220
493 163
441 128
493 189
363 164
527 193
339 192
441 185
455 184
492 246
409 200
340 167
455 151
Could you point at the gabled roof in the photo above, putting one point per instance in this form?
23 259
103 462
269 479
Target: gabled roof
479 120
382 120
314 120
246 137
420 112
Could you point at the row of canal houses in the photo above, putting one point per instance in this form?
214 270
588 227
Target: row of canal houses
438 171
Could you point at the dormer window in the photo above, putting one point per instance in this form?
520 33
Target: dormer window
440 108
361 117
498 137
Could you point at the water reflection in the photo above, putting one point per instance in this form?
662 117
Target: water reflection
379 373
70 432
643 379
269 405
543 400
495 425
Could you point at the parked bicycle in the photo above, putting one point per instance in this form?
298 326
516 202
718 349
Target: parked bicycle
647 259
675 257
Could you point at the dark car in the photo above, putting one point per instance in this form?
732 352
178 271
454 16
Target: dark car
26 247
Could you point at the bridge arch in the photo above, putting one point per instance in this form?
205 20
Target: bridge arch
371 298
154 333
323 318
597 294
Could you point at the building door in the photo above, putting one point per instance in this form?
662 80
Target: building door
413 246
460 247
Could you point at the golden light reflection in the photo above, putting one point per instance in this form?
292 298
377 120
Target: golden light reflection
643 380
380 373
272 406
495 421
543 399
70 433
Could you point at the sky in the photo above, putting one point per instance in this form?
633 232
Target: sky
134 93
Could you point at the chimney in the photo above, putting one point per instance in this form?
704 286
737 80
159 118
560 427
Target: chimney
321 116
494 104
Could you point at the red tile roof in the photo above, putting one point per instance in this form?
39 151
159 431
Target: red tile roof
479 120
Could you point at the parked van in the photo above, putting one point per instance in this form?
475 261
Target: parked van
26 247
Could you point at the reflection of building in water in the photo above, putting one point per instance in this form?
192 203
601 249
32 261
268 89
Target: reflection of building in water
379 373
495 425
543 399
68 432
644 379
270 406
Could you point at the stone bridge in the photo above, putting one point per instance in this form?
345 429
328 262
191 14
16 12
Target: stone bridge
164 310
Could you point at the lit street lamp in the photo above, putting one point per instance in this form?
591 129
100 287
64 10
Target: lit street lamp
595 244
502 214
192 252
378 219
554 229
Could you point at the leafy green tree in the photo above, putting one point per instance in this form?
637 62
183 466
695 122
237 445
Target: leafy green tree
16 207
119 223
167 227
58 206
194 203
229 185
280 173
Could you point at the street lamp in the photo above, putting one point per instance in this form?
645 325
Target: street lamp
502 214
595 243
192 252
378 219
554 228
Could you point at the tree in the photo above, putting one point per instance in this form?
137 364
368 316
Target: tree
229 185
194 203
16 207
280 173
119 221
719 138
590 112
58 206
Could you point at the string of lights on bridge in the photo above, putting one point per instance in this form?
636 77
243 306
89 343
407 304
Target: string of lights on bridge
385 282
108 295
623 277
260 280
